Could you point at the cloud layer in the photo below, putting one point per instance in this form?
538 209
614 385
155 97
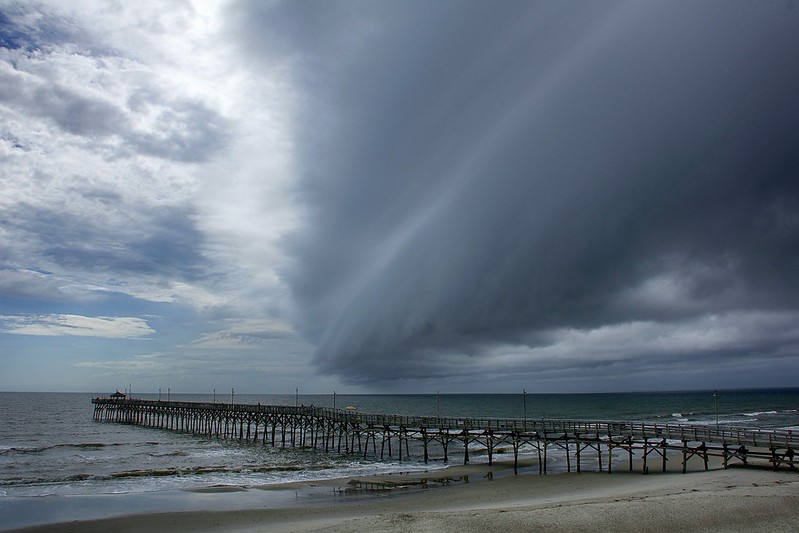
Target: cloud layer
95 146
81 326
487 178
144 170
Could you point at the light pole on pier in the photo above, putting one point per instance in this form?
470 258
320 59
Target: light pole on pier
159 394
524 396
334 400
716 403
297 397
438 404
169 395
231 395
214 395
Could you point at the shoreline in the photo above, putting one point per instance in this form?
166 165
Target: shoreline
478 497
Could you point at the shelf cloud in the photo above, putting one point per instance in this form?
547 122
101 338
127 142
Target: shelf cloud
489 176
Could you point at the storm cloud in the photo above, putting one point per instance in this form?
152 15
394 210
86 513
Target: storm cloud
481 179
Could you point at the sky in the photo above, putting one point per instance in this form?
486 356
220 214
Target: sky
385 196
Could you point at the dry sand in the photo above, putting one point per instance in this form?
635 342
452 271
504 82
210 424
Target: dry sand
737 499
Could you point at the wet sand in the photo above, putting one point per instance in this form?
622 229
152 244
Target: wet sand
480 498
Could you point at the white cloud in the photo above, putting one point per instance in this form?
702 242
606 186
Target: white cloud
245 334
101 137
77 325
124 365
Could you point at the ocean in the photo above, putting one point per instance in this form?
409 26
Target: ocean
56 462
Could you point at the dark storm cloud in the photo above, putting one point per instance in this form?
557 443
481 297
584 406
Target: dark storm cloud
483 175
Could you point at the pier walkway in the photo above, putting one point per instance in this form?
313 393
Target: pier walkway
436 438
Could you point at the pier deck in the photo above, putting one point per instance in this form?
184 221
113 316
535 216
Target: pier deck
394 436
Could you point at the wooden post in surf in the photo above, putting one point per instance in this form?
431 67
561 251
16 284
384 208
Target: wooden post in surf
465 445
630 451
538 447
599 452
399 444
724 451
610 454
568 459
684 455
490 443
546 445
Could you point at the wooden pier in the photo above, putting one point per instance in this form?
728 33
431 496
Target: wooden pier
437 438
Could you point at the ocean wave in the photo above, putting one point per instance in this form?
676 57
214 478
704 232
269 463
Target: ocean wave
8 450
290 468
759 413
147 473
203 470
22 449
39 480
730 421
177 453
229 469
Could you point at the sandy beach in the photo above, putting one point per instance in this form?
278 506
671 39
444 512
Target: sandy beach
481 498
